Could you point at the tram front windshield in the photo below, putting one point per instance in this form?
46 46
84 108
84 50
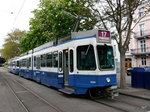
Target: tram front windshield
86 58
105 57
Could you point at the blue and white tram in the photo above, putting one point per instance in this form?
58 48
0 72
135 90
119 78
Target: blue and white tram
25 65
85 63
16 70
13 65
10 65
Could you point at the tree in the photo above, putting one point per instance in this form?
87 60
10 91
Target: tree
11 47
50 21
120 13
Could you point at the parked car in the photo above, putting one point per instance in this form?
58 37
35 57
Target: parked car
129 70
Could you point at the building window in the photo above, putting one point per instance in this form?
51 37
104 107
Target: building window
142 28
143 60
125 19
143 46
112 24
125 33
141 12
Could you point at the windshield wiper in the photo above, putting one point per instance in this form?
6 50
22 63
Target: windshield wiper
87 49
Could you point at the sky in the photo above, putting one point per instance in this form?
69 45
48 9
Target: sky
15 14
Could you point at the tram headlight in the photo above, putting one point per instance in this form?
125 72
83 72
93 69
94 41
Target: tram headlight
107 79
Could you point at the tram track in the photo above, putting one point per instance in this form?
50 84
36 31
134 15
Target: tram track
113 104
127 102
133 103
14 93
139 97
57 109
109 105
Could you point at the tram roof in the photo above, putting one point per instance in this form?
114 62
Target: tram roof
73 35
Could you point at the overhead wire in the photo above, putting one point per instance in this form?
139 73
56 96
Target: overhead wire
19 12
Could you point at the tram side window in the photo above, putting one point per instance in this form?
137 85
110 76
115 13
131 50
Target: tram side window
21 61
20 64
28 62
38 63
49 60
60 61
86 58
43 60
24 63
17 63
34 61
14 64
55 59
71 61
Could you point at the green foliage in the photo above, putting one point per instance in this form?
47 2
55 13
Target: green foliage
11 47
50 21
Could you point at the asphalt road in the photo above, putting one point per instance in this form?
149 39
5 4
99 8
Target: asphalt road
30 96
63 102
8 102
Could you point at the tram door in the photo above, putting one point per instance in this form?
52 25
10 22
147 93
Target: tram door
66 66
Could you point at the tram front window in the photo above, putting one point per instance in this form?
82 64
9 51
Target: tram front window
86 58
105 57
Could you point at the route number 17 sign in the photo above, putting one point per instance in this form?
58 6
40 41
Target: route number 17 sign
103 36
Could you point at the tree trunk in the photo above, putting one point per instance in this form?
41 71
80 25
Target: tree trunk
122 71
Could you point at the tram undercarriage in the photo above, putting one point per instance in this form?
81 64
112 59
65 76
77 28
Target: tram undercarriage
102 92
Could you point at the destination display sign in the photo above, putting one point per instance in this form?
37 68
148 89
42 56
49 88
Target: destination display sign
103 36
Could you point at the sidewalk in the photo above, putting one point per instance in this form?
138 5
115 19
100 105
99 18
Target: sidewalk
136 92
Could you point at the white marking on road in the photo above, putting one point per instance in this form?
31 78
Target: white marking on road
21 91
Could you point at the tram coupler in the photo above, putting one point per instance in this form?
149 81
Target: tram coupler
112 92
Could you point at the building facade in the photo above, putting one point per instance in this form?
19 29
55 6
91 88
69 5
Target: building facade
140 41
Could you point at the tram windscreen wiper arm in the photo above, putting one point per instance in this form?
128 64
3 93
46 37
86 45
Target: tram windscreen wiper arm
87 49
